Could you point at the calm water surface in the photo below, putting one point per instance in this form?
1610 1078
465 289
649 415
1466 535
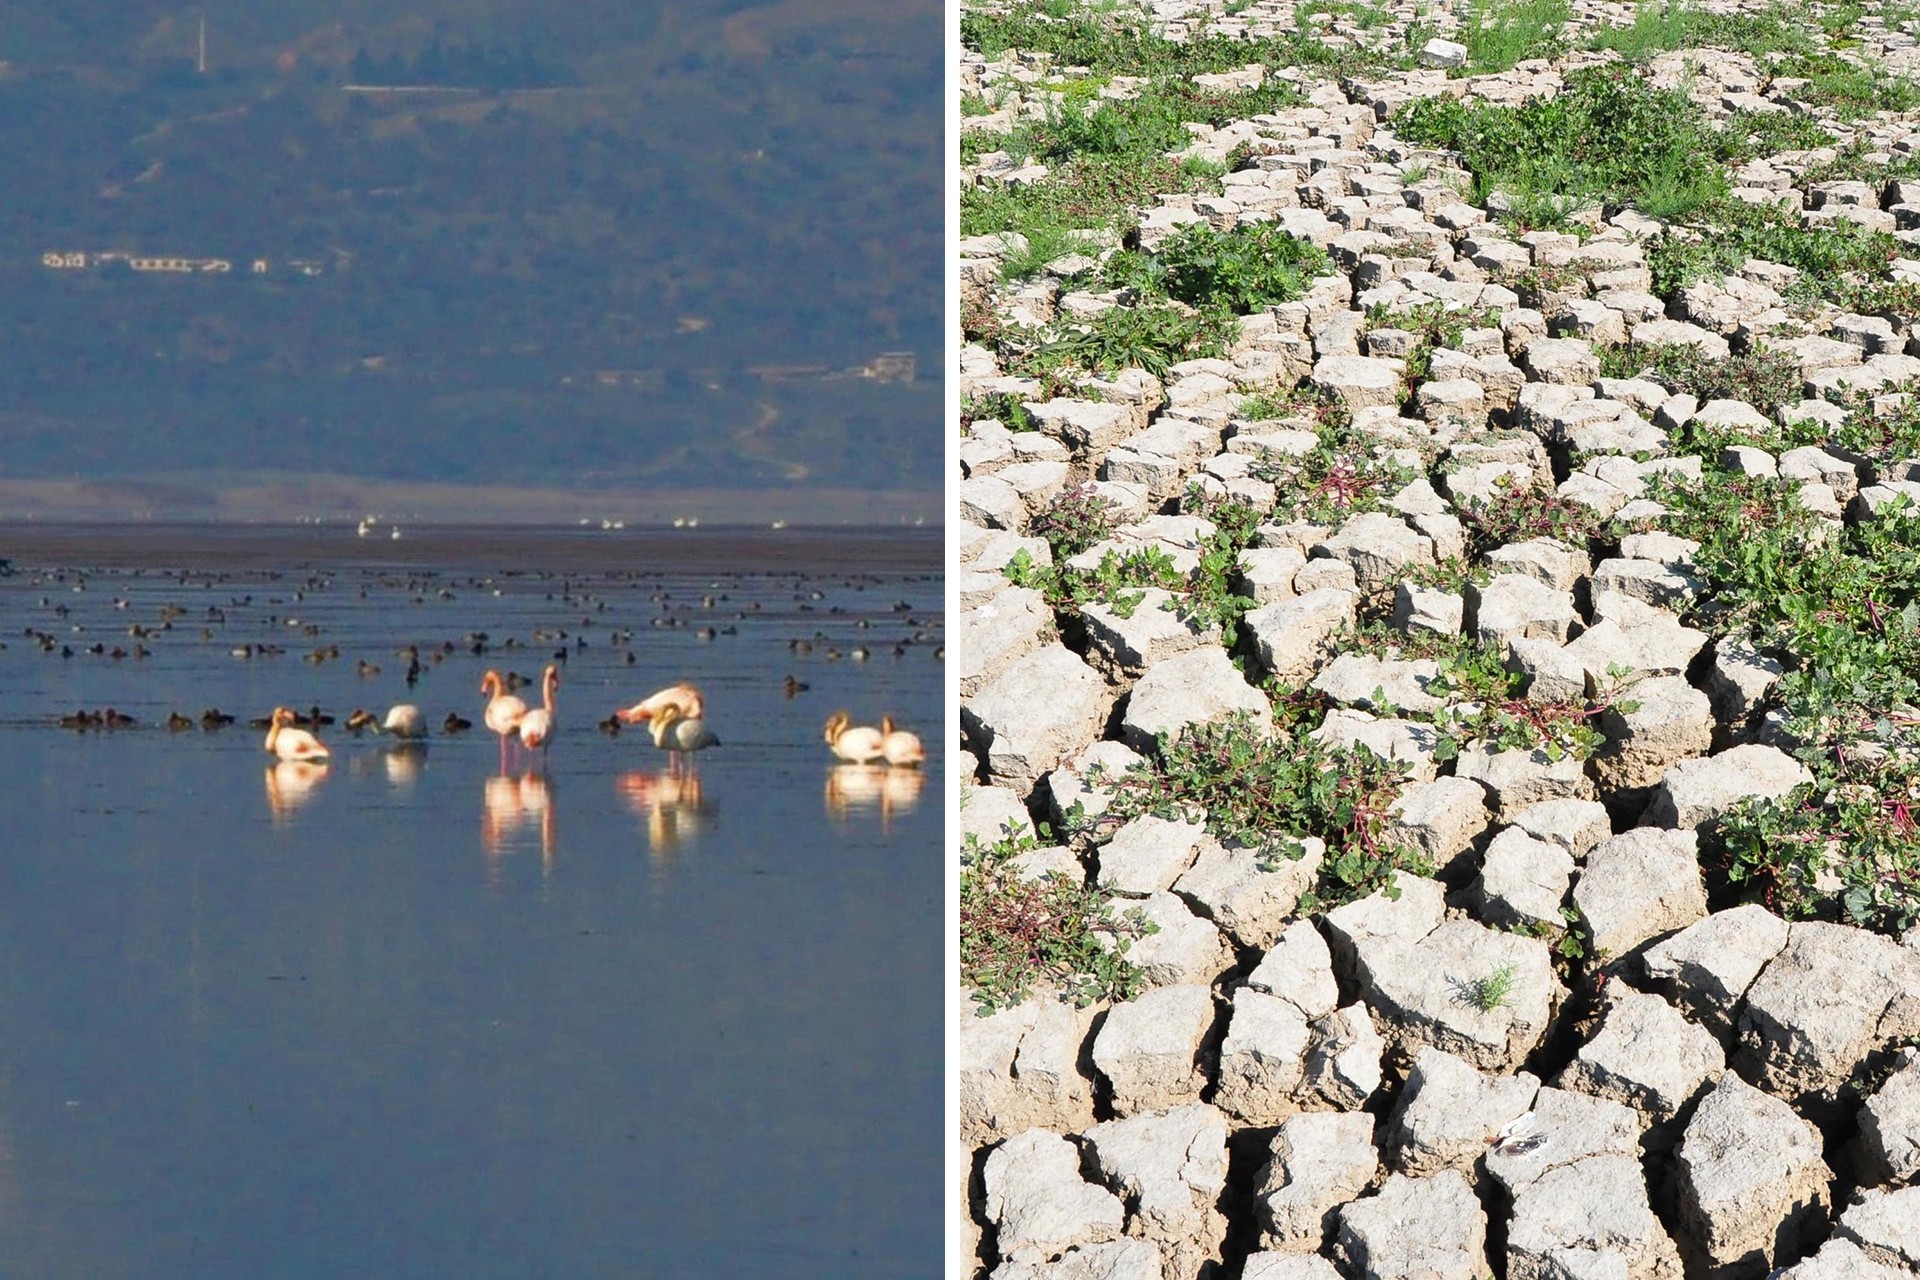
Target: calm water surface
410 1015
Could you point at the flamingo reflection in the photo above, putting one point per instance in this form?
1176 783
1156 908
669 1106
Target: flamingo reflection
291 784
511 804
856 789
670 804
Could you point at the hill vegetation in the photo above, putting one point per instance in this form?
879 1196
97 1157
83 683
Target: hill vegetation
544 240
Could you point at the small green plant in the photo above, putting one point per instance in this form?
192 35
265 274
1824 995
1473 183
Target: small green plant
1342 476
1120 581
1608 138
1075 519
1491 992
1016 932
1147 337
1765 379
1522 512
1497 36
1266 790
1662 25
1242 270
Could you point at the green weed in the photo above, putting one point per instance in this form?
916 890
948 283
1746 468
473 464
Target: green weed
1491 992
1608 137
1016 932
1075 519
1765 379
1499 35
1267 791
1249 267
1344 475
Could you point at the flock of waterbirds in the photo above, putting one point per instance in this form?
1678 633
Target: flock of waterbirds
675 718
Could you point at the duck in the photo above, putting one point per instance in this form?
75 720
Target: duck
289 743
677 733
214 718
177 723
455 723
861 745
361 719
683 697
538 725
900 747
611 725
117 719
792 687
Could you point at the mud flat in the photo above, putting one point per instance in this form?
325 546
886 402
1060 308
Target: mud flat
242 546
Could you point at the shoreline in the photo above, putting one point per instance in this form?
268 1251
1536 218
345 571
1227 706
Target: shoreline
236 545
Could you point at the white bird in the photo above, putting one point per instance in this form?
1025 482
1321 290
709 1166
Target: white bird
289 743
684 698
899 746
537 726
677 734
504 711
404 720
861 745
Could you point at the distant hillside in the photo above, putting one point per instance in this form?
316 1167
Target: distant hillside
559 247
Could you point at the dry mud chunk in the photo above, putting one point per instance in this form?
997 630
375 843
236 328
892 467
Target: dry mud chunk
1148 1048
1170 1168
1148 854
1514 605
1751 1181
1647 1055
1522 881
1299 969
1670 721
1380 549
1320 1161
1639 885
1886 1226
1430 1227
1441 818
1184 948
1262 1059
1890 1127
1424 982
995 635
1292 637
1038 1202
1034 714
991 814
1520 778
1591 1218
1199 687
1446 1111
1019 1069
1832 996
1343 1060
1250 894
1707 967
1146 634
1695 792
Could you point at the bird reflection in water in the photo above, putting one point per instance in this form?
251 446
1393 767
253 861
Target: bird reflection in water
400 764
857 789
404 763
671 806
291 784
514 805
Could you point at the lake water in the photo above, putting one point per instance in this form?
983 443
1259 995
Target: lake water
410 1015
